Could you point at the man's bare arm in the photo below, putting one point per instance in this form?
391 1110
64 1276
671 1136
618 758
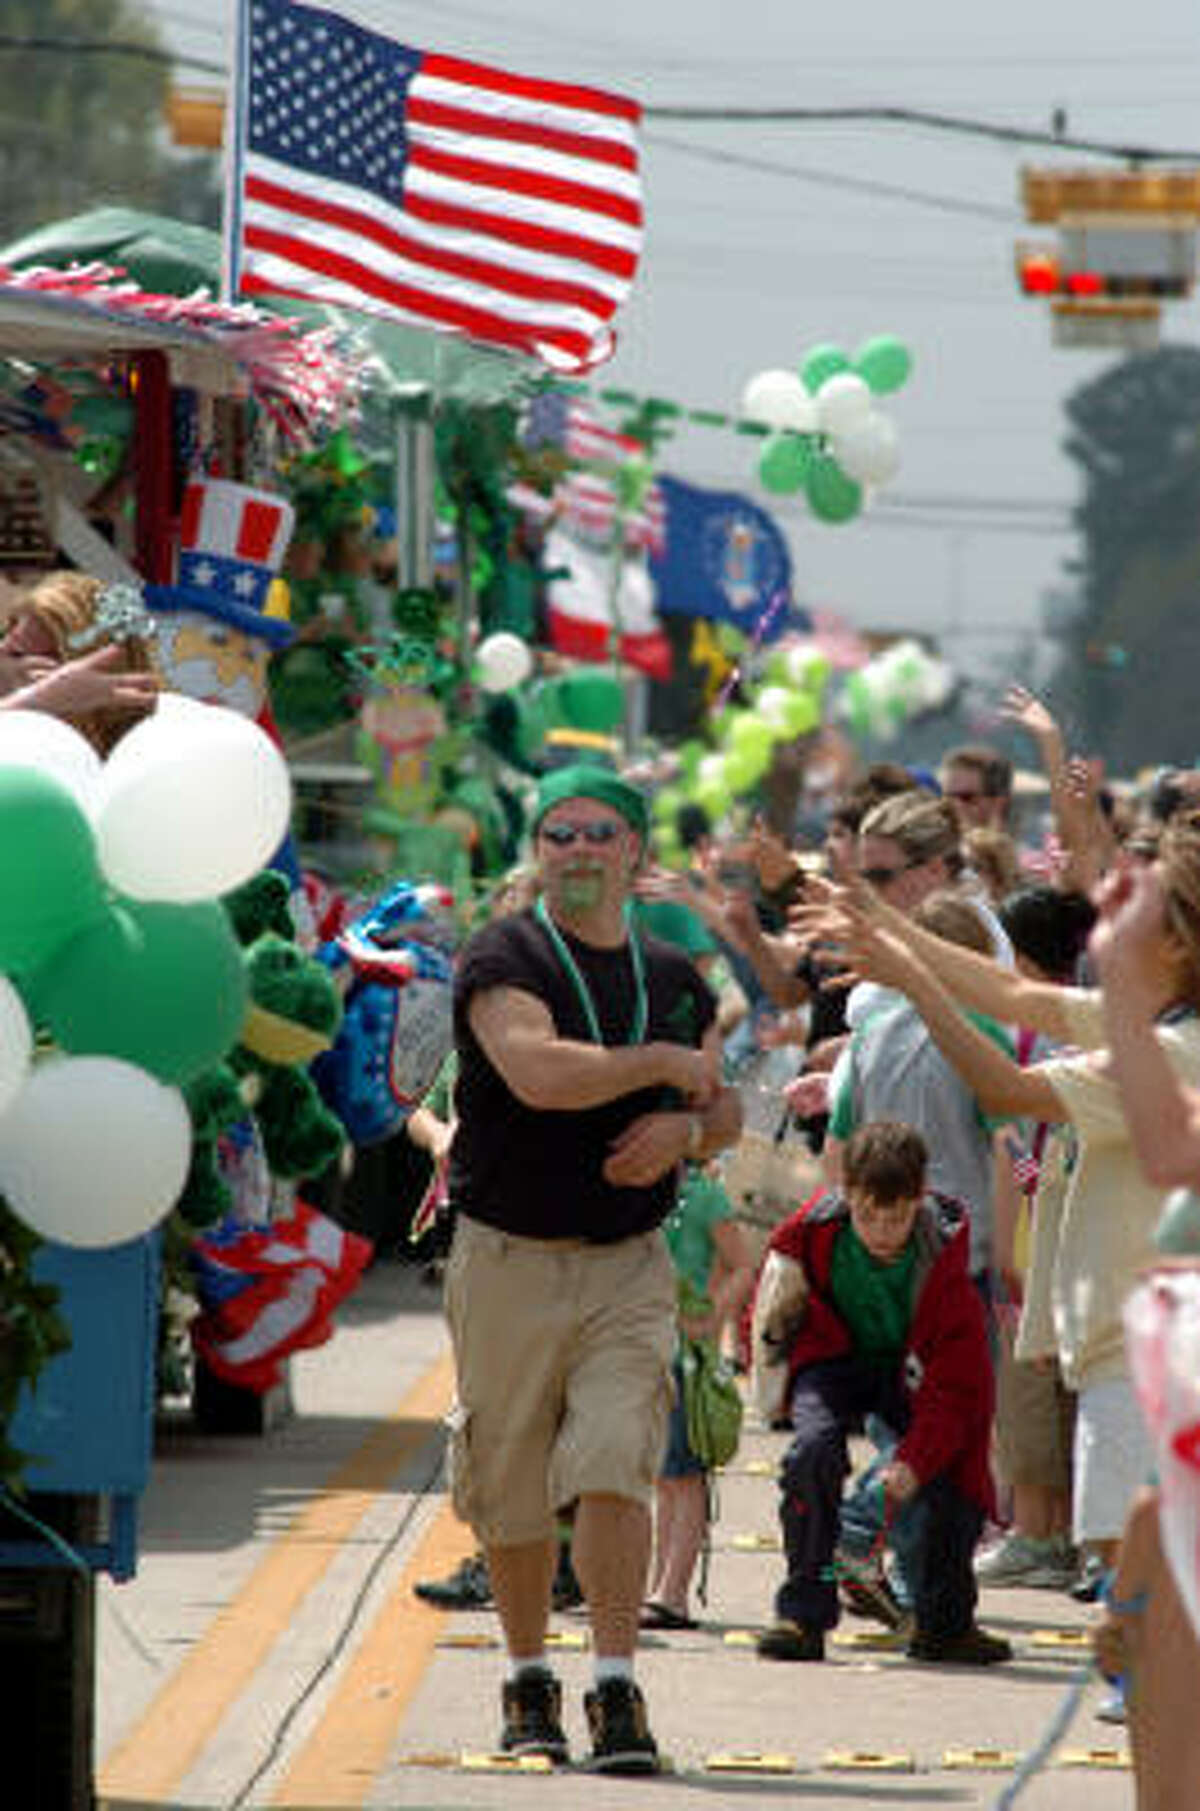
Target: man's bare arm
557 1074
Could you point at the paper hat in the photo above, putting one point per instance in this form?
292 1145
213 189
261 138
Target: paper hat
232 540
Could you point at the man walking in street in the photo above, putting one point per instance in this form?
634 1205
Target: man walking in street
588 1072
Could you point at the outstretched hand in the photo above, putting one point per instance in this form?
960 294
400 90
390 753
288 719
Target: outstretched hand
1027 712
93 682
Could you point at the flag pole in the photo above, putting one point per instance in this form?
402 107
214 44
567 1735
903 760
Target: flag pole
236 111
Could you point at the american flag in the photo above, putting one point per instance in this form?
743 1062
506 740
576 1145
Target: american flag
556 418
428 189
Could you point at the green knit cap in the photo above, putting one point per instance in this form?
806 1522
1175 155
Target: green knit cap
584 781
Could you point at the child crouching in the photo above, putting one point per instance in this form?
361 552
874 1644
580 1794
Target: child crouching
875 1312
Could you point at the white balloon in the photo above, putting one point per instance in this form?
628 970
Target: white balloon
503 660
93 1151
36 739
772 702
16 1043
843 403
191 805
778 400
869 453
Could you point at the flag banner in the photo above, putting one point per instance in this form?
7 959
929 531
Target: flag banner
555 418
427 189
725 559
580 607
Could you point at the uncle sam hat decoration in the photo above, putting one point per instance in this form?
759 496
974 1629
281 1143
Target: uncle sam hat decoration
232 540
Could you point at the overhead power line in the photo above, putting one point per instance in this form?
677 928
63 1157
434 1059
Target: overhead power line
882 115
917 116
837 179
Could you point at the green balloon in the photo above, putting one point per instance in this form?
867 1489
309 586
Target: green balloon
801 713
821 363
160 986
783 463
592 701
883 363
832 496
50 882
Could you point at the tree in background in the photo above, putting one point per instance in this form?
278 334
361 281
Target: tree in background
1127 687
79 127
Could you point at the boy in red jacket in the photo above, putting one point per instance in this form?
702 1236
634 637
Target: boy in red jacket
877 1314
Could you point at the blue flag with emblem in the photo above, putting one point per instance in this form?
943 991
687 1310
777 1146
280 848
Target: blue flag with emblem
725 559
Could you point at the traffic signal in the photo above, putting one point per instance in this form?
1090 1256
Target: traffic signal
1044 272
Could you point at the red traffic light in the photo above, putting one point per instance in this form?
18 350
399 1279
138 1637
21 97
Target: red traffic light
1038 273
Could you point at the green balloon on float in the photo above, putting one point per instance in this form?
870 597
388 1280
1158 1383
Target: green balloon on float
801 713
783 463
832 496
50 882
592 701
666 804
160 986
745 767
884 364
822 363
690 756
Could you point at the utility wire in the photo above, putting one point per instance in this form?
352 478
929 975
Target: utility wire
834 179
903 116
934 122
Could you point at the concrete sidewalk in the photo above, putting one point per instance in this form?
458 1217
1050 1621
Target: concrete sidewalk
270 1650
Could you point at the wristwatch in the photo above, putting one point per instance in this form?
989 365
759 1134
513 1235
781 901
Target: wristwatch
695 1136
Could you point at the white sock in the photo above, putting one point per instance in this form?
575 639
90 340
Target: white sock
610 1667
529 1663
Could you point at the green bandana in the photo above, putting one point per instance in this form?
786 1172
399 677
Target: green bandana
582 781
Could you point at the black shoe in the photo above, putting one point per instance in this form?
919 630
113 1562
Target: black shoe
974 1647
566 1593
621 1739
792 1641
533 1716
467 1588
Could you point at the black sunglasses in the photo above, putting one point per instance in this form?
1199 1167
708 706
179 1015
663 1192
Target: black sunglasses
563 835
879 877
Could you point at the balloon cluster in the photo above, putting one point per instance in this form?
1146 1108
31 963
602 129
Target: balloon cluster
788 704
903 682
116 954
827 437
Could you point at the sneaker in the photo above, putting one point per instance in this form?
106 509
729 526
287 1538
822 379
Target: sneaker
1112 1707
532 1705
467 1588
1089 1585
621 1739
974 1647
791 1641
1020 1559
863 1590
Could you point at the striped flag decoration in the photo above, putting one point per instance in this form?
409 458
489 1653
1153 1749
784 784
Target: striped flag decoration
428 189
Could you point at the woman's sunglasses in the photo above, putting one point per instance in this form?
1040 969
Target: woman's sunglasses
563 835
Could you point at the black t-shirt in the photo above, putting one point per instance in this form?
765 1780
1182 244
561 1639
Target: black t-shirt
538 1173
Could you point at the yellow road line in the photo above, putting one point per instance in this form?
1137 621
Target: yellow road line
181 1720
342 1758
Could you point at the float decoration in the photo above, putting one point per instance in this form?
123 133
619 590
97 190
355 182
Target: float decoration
825 434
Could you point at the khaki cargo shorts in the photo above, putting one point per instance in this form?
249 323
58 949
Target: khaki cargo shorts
563 1353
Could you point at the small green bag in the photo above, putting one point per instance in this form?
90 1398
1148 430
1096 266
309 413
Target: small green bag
712 1403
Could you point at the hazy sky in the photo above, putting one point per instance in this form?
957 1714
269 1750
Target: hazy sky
763 240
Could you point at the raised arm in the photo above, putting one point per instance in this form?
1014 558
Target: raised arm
972 978
1163 1113
999 1084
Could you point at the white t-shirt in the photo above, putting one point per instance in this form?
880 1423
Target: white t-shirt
1110 1211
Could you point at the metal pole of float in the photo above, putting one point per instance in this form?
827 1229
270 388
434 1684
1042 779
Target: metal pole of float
414 486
